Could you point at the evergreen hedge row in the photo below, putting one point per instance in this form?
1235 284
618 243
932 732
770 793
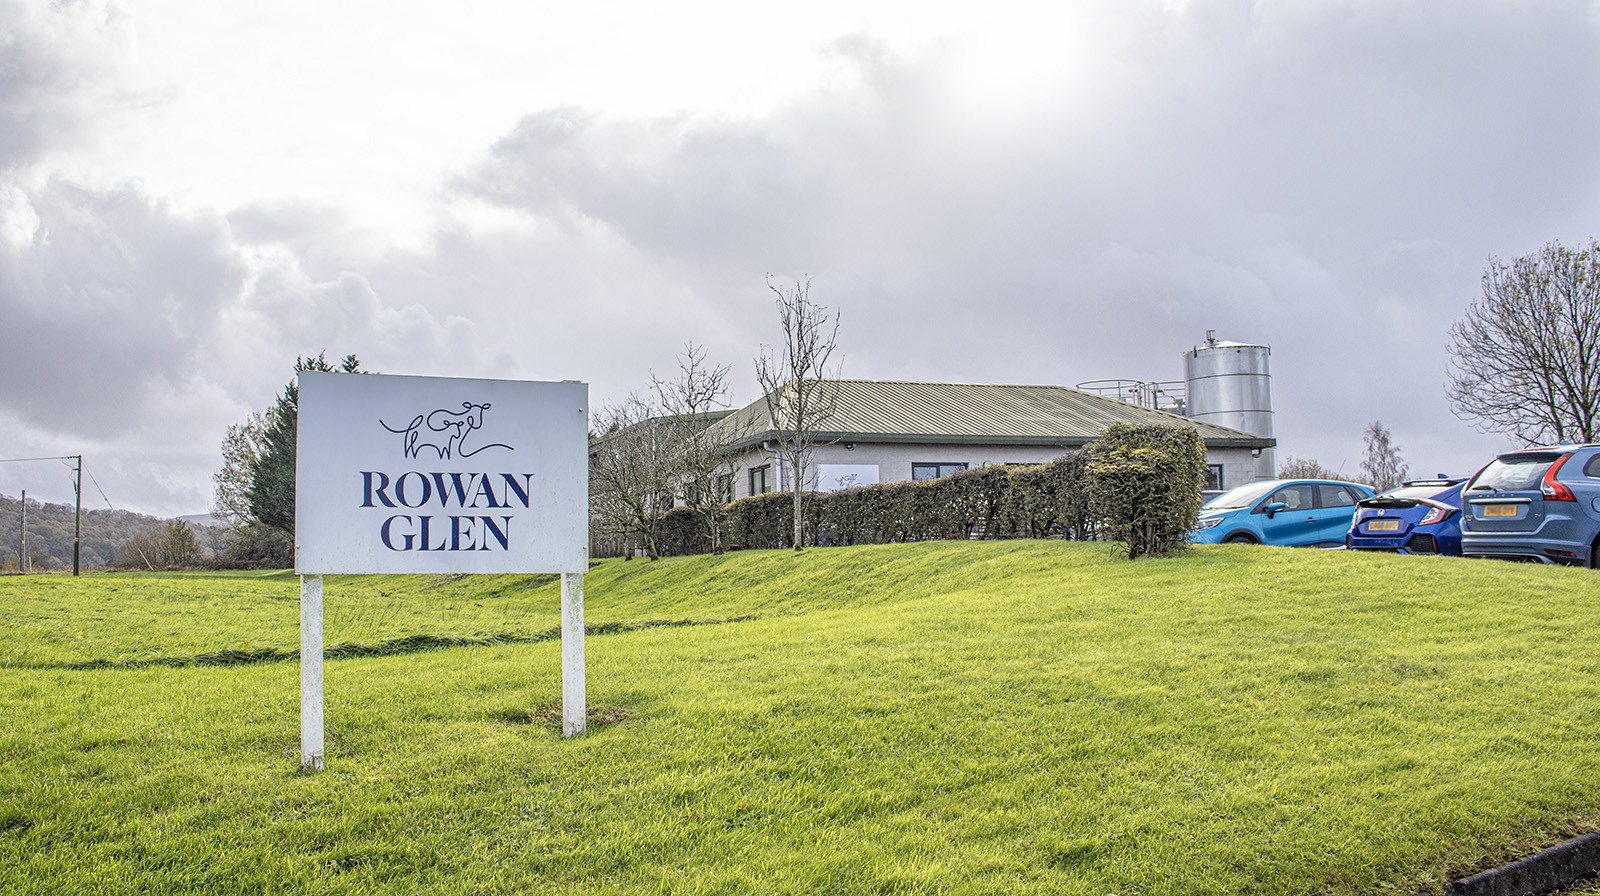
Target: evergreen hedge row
1139 484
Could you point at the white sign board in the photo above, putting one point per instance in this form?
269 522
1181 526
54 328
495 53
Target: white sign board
405 474
836 477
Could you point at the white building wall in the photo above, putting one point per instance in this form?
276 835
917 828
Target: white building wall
1238 465
894 461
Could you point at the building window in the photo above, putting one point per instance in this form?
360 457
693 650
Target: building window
722 491
920 472
761 479
1214 477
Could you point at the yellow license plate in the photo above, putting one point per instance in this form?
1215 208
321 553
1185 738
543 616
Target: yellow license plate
1384 526
1500 510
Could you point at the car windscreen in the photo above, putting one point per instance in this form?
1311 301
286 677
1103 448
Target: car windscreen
1514 473
1243 496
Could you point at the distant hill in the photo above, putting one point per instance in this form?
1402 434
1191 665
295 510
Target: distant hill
105 534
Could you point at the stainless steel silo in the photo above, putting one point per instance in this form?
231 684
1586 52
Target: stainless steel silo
1230 384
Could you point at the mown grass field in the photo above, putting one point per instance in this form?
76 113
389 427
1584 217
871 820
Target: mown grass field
936 718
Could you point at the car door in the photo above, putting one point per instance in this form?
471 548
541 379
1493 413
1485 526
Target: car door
1336 509
1296 523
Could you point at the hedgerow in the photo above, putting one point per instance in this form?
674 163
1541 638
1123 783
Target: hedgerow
1135 484
1139 485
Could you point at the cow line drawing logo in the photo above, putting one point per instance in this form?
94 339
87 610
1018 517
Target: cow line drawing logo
455 427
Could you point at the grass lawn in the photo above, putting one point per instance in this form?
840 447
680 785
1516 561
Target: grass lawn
938 718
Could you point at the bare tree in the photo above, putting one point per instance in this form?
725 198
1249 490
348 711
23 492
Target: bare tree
1305 468
796 383
174 547
691 402
634 466
1526 358
1383 465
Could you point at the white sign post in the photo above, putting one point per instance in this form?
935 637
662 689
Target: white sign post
311 672
401 474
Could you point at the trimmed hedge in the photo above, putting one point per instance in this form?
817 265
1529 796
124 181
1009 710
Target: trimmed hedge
1144 486
1148 486
1043 501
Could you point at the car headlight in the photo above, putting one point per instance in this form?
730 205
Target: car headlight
1211 523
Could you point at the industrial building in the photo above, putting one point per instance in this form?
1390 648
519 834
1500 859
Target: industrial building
885 431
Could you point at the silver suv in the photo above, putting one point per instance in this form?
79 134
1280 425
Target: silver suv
1535 504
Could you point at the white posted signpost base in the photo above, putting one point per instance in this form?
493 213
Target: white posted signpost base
574 696
574 691
311 672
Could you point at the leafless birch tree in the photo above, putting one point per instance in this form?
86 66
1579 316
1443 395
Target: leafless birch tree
691 401
1382 465
634 465
796 383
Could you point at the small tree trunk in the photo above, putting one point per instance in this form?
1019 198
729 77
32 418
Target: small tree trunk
796 477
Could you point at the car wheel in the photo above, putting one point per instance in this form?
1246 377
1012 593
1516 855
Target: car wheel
1594 554
1239 539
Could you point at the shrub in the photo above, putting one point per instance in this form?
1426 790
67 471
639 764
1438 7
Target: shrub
767 521
174 547
1144 486
970 501
1049 500
683 530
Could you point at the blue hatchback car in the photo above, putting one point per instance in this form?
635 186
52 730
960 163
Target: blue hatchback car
1538 504
1422 516
1293 512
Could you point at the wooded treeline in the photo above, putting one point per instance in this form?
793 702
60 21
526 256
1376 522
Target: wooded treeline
107 536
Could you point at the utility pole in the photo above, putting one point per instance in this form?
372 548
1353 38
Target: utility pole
22 558
77 513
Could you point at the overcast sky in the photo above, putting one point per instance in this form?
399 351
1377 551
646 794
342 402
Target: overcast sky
193 194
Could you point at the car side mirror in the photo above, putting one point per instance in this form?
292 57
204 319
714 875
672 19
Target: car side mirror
1272 509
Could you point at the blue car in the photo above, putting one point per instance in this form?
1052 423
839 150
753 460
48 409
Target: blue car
1540 504
1422 516
1291 512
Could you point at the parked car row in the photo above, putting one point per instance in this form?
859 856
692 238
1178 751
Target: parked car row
1538 504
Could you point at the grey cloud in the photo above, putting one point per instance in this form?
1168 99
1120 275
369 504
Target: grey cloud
1325 177
675 186
54 56
297 223
109 301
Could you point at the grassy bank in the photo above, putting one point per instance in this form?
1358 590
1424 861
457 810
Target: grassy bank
939 718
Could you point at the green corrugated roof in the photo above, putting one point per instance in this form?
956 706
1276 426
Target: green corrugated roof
972 413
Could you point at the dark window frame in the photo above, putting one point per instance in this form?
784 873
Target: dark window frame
724 491
764 474
941 469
